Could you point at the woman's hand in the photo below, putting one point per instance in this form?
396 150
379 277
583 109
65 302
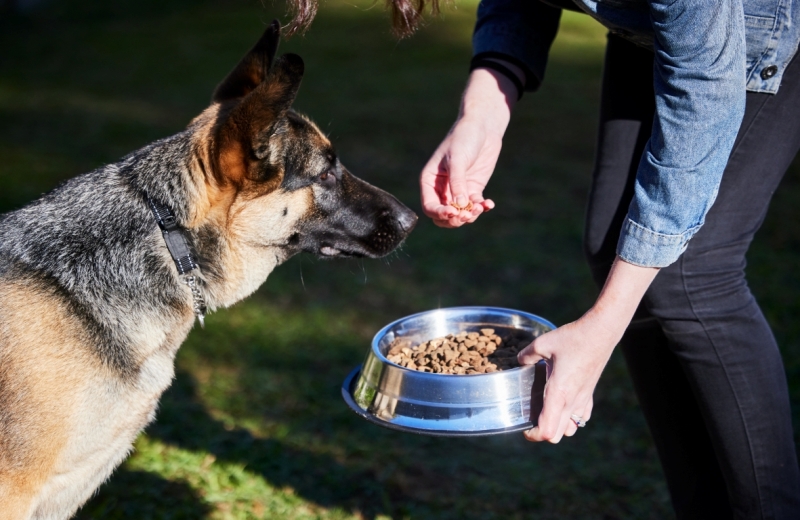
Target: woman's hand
578 351
576 355
452 182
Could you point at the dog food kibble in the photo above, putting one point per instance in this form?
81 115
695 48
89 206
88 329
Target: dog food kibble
464 353
468 207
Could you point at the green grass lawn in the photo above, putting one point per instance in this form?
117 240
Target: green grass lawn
254 425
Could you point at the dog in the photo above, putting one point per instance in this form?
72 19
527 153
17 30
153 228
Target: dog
102 279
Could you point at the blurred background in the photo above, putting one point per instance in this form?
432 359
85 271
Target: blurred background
254 425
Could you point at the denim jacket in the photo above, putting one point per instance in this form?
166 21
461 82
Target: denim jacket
708 53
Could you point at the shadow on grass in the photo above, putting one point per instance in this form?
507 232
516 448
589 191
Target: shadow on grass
184 421
140 495
332 460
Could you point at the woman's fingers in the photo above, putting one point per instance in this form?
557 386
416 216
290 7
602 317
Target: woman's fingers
447 215
434 186
457 165
556 420
451 217
530 356
568 393
587 410
571 429
582 415
458 219
553 422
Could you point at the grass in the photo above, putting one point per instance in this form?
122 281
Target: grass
254 426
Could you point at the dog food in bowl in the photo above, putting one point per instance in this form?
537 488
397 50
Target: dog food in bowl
464 353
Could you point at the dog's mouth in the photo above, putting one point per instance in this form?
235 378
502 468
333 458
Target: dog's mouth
356 235
343 250
327 251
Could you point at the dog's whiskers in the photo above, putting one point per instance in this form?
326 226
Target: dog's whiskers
302 281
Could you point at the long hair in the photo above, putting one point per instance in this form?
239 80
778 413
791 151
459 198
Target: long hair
406 15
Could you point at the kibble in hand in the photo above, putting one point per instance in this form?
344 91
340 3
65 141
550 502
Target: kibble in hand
477 352
468 207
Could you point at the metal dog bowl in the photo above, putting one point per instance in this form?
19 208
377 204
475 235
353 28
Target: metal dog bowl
448 405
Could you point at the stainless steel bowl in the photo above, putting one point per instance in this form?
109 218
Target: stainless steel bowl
448 405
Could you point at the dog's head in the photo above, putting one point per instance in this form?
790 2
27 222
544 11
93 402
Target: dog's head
275 178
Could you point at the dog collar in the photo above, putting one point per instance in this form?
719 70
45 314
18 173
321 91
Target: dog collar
181 253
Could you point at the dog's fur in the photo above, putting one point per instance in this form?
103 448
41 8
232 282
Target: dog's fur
92 309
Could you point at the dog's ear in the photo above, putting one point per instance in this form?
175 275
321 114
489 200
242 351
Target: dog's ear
253 69
284 81
249 138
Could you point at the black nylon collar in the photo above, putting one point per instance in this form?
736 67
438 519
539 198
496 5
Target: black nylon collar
174 236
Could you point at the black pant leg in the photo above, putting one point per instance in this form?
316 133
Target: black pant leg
696 484
716 328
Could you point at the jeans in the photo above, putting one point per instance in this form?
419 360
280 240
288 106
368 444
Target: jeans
704 363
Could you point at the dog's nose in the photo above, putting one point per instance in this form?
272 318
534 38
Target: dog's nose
407 219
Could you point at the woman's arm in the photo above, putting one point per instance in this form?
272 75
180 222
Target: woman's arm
578 352
519 31
699 80
517 34
459 169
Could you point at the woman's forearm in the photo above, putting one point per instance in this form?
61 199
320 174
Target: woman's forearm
490 96
453 180
619 298
578 351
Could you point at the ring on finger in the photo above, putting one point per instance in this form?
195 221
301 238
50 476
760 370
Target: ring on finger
578 420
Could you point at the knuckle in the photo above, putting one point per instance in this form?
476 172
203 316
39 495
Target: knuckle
539 347
556 397
547 434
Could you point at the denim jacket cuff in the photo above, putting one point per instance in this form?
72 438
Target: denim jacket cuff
640 246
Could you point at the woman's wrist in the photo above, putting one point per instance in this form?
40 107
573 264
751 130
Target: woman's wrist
489 98
510 70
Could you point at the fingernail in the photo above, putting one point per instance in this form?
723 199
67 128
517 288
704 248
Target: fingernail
462 201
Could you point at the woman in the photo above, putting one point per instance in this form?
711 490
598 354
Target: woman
692 89
705 100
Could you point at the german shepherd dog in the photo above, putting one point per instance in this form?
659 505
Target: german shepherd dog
102 279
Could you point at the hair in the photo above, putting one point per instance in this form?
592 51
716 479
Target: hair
406 15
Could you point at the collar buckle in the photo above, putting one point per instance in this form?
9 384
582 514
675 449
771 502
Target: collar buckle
180 250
